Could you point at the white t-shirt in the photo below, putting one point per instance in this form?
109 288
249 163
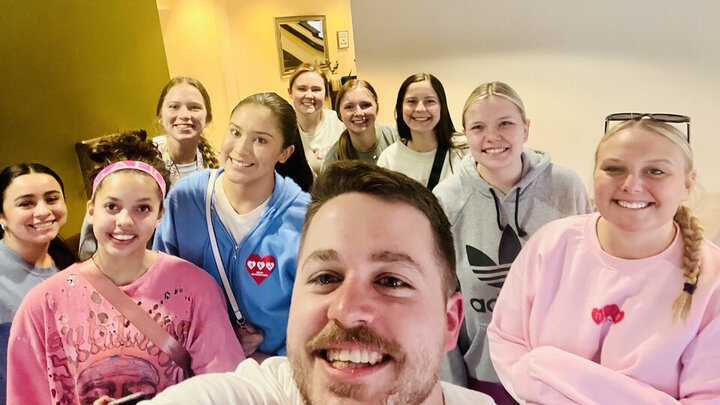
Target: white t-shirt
269 383
318 142
418 165
238 225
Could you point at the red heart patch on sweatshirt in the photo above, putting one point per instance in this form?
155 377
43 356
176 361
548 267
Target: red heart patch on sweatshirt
597 315
260 268
611 312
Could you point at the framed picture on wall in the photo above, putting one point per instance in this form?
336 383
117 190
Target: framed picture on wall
343 39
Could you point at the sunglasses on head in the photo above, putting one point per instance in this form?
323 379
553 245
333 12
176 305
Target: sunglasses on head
662 117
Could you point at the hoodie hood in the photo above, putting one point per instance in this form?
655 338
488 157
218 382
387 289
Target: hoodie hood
534 163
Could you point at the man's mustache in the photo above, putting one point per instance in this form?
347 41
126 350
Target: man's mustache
333 333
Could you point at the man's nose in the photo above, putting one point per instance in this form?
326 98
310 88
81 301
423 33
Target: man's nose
353 303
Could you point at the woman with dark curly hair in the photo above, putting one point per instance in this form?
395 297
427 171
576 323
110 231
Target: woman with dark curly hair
130 145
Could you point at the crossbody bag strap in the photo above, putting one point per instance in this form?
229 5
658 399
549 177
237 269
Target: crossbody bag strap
437 166
136 315
216 253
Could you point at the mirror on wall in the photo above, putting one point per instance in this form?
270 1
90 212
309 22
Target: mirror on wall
300 39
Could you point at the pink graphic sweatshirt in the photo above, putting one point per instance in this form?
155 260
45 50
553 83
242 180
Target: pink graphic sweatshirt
574 324
68 345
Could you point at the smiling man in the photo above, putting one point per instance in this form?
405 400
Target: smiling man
374 306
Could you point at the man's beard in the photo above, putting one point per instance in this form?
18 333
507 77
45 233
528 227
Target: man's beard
410 388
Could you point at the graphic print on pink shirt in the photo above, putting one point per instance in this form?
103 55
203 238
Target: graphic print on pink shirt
260 268
609 312
103 354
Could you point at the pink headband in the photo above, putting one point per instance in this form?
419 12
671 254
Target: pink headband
133 165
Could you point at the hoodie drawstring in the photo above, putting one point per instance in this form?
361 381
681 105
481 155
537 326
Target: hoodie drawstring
521 232
497 209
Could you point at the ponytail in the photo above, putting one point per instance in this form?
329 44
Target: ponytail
345 150
692 235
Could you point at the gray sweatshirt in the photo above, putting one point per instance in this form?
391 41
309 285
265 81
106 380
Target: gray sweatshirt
489 229
17 278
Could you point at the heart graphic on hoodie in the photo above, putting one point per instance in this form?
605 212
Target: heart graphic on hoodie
260 268
611 312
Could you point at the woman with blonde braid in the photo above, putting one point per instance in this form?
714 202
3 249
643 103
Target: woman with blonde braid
184 111
620 306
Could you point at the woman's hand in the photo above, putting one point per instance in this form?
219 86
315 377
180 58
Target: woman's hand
103 400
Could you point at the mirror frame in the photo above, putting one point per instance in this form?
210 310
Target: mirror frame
278 21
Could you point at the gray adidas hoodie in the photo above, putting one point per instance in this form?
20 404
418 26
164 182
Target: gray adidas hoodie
489 231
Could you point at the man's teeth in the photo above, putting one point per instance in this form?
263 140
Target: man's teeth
123 237
494 150
628 204
353 358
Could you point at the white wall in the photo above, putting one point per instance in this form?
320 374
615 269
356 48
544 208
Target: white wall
572 61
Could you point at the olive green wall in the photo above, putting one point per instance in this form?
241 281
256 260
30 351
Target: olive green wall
73 70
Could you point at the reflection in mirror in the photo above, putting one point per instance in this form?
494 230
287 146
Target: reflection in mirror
300 39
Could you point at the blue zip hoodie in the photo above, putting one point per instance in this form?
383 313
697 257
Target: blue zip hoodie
261 268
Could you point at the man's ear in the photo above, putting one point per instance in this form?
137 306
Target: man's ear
454 315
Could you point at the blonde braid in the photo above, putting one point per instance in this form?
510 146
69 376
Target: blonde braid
208 154
692 235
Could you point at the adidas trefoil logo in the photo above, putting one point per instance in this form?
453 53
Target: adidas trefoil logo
489 272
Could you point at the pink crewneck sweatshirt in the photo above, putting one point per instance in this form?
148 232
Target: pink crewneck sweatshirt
68 345
574 324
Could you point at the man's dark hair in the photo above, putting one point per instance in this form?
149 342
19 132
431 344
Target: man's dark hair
348 176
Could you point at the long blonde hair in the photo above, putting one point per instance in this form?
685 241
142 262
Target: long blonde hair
689 226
